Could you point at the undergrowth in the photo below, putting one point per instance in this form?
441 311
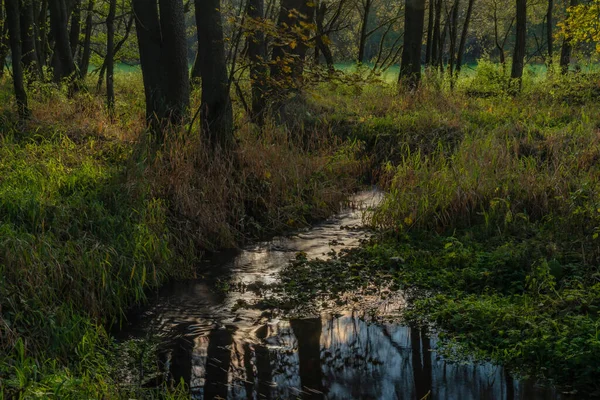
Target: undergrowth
92 218
491 220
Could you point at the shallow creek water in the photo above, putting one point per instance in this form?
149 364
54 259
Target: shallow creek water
224 352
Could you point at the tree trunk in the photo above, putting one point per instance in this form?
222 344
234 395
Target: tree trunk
257 52
363 31
567 48
436 45
453 38
295 17
163 57
549 27
431 22
110 56
84 62
75 26
520 41
42 24
62 47
321 38
3 39
216 110
29 53
14 33
463 38
414 19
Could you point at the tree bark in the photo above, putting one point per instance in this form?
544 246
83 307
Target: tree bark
163 57
75 26
567 48
436 45
29 53
363 30
62 47
463 37
216 110
4 47
520 40
257 52
110 56
321 37
453 38
414 19
84 62
14 33
430 24
549 28
295 17
42 24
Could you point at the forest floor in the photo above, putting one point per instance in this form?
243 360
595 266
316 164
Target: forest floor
490 224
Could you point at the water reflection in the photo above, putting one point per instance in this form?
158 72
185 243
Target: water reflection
223 352
342 357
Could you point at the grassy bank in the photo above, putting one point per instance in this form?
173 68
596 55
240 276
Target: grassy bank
491 221
91 220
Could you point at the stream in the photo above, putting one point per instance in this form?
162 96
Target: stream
223 351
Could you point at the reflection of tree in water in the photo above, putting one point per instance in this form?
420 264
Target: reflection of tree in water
332 358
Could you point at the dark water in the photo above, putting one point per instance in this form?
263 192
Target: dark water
342 354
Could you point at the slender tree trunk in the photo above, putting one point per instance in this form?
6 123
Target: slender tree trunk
549 33
84 62
414 19
4 46
520 41
463 37
43 28
321 38
257 52
62 47
116 50
110 56
75 27
567 48
216 110
14 33
431 22
453 38
29 53
436 42
363 31
163 57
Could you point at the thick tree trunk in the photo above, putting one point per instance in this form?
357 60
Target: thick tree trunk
84 62
75 27
520 40
257 52
62 47
216 110
14 33
29 53
362 43
410 68
430 24
549 28
463 37
567 48
110 56
163 57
